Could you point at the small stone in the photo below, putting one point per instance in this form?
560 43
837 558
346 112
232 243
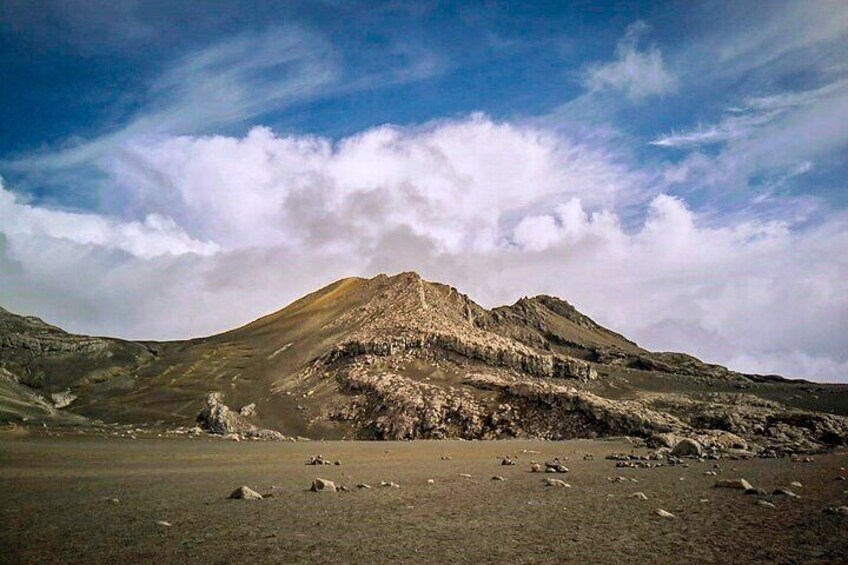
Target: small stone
796 484
323 485
112 500
766 503
639 495
363 486
535 468
465 475
163 523
498 478
840 510
557 483
740 484
664 513
431 481
390 484
784 492
245 493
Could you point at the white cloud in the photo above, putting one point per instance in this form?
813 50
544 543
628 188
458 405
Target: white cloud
154 235
497 209
638 74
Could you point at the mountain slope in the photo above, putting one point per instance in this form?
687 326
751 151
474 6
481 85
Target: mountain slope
400 357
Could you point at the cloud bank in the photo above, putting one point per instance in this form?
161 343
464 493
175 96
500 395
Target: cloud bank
498 209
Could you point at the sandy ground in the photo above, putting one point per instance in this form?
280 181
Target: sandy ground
55 507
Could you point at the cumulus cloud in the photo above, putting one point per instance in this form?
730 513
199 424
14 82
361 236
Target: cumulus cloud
154 235
498 209
637 73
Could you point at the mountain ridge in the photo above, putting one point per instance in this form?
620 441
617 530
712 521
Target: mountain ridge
399 357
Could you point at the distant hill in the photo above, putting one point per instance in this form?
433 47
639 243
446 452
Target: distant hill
403 358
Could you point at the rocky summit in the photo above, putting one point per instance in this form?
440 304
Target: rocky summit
403 358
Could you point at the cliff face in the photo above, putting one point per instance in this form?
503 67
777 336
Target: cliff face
403 358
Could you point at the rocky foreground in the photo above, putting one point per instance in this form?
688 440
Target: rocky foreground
216 501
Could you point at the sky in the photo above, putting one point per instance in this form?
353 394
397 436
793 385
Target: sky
676 170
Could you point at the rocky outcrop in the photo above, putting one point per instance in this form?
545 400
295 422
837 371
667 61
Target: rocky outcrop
516 356
391 407
217 418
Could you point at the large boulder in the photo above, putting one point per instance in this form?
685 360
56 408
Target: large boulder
687 448
217 418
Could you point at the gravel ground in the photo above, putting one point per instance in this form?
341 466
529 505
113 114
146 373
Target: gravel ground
56 504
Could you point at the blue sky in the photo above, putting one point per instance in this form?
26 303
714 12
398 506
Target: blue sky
676 169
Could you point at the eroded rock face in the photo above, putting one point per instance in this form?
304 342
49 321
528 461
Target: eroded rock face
217 418
515 357
391 407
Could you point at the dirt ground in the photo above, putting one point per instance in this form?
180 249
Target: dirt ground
55 505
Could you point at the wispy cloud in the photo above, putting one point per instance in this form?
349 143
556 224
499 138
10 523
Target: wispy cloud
235 82
637 73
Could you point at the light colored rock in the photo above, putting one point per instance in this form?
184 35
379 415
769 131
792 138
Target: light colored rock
323 485
163 523
639 495
840 510
535 468
62 399
363 486
498 478
664 513
739 484
248 410
557 483
687 447
766 504
245 493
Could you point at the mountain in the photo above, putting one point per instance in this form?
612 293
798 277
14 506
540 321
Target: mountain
403 358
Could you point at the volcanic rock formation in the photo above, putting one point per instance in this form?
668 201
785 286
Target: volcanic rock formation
402 358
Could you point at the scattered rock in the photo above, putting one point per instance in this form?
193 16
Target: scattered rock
739 484
248 410
163 523
465 475
390 484
507 461
557 483
639 495
840 510
535 468
246 493
337 463
498 478
784 492
431 482
664 513
555 467
323 485
687 448
766 503
363 486
796 484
